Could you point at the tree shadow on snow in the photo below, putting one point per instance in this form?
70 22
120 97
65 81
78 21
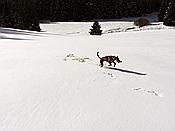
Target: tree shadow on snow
125 71
4 32
24 32
12 38
17 32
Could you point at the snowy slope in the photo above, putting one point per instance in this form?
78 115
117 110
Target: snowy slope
51 81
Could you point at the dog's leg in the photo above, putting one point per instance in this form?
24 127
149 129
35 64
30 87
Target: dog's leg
110 64
114 64
101 62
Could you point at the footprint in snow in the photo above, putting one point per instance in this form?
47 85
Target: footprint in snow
109 74
150 92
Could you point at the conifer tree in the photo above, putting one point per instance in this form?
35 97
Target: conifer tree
136 8
96 29
55 10
71 10
109 8
6 19
19 14
162 10
119 12
133 8
151 5
61 10
27 16
43 9
169 18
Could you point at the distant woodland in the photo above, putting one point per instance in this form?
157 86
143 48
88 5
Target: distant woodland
26 14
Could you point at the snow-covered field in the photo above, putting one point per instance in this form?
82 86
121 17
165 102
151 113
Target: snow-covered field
52 81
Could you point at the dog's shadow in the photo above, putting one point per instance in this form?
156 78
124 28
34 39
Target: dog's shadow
126 71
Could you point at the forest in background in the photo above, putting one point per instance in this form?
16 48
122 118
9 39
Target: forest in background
26 14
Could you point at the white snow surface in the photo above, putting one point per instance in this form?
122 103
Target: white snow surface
52 81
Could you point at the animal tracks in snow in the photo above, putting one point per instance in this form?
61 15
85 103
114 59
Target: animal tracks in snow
156 93
109 74
76 58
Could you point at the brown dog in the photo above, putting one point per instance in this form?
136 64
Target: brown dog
109 59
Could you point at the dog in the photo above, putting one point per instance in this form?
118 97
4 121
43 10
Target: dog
109 59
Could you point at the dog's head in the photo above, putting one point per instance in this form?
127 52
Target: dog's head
118 60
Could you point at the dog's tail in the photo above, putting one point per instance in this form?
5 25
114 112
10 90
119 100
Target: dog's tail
98 55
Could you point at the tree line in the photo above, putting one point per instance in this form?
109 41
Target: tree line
85 10
167 12
26 14
19 14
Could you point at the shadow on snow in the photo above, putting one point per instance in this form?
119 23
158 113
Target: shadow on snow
12 38
17 32
126 71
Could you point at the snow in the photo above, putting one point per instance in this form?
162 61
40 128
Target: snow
52 81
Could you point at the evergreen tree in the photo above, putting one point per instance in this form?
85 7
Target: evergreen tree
109 8
90 10
96 29
55 11
96 9
61 10
119 12
70 10
77 10
133 8
162 10
151 5
43 9
20 14
6 13
169 18
27 17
